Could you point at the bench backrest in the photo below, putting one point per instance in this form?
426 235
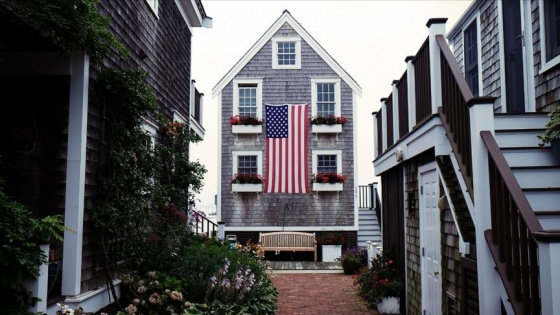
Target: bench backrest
287 239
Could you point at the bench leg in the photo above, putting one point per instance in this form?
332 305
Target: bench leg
315 252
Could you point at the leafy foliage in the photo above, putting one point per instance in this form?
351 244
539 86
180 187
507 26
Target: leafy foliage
329 120
382 280
245 120
69 25
20 255
552 128
246 179
329 177
353 259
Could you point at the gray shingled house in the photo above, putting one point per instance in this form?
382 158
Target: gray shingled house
470 196
53 130
286 66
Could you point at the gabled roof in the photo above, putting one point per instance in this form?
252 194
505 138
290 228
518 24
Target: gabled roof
286 17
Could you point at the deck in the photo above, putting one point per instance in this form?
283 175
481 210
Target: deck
304 267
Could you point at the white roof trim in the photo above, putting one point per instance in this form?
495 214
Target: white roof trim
286 17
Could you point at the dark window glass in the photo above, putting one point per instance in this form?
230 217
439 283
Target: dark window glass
552 28
247 164
325 99
326 163
471 57
286 53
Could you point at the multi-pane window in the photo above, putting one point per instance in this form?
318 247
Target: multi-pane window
286 53
247 164
247 94
325 99
552 29
471 57
327 163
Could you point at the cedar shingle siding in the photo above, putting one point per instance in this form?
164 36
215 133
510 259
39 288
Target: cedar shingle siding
283 86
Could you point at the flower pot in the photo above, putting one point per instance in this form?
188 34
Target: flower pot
328 186
350 267
389 305
331 252
336 128
246 129
246 187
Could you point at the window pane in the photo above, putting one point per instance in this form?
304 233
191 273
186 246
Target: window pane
326 163
552 29
247 100
286 53
325 99
471 57
247 164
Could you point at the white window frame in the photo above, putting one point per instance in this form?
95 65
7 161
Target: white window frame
154 5
475 20
235 160
314 158
236 83
275 42
151 129
545 64
337 98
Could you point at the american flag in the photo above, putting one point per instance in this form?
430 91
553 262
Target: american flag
286 149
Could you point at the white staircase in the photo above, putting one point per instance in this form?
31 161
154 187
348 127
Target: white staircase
368 228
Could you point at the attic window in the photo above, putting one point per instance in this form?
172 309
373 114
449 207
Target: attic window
286 53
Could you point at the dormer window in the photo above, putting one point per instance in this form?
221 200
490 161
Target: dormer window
286 53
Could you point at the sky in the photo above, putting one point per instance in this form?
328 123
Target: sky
369 39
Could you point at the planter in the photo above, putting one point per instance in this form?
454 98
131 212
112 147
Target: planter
350 267
246 129
555 149
328 186
336 128
331 252
389 305
246 187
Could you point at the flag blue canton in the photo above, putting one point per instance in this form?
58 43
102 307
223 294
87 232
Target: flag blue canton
277 121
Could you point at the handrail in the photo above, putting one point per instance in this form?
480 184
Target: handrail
454 110
200 221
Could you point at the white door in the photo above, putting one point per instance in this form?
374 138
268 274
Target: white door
430 240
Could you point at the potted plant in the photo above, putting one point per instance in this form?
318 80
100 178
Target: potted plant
329 181
353 259
331 245
552 134
246 183
381 285
246 124
328 124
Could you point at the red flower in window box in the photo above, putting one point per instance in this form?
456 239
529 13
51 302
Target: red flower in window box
247 179
330 177
329 120
246 120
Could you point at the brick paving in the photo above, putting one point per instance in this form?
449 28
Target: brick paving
318 293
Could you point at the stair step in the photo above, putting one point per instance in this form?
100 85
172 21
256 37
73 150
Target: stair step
528 157
537 178
512 138
520 121
543 200
550 222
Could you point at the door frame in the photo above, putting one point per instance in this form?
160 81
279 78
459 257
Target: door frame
430 167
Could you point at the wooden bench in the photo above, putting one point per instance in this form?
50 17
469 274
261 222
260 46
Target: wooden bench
289 241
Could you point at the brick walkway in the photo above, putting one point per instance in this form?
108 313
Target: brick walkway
318 293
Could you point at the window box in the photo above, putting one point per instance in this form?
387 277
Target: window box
246 187
246 129
336 128
328 186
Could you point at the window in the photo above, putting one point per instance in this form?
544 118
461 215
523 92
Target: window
326 161
153 5
247 100
151 129
550 33
247 97
286 53
470 36
325 97
247 162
